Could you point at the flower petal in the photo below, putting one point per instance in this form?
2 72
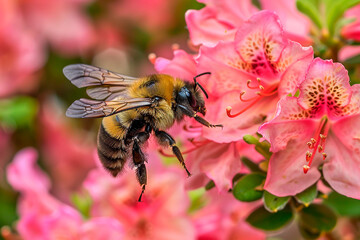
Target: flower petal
24 175
289 124
326 88
294 61
182 65
205 29
260 41
226 67
342 166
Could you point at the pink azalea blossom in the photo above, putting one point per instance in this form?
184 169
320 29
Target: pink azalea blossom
214 155
44 217
296 25
223 218
67 154
261 65
318 128
352 30
21 53
219 20
60 22
160 215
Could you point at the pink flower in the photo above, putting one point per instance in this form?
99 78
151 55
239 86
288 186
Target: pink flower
261 64
219 20
67 153
21 54
296 25
59 22
44 217
160 215
223 218
318 128
352 30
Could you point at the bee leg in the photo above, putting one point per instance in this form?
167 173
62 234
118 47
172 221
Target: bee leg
140 169
139 158
165 139
191 113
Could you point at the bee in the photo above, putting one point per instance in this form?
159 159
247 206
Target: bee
132 109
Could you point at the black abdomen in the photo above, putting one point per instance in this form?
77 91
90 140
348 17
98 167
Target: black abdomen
112 151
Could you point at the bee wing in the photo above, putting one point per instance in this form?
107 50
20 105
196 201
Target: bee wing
86 108
82 75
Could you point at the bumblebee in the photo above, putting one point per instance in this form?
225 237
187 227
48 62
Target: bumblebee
134 108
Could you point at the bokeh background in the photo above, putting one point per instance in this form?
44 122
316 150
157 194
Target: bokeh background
37 39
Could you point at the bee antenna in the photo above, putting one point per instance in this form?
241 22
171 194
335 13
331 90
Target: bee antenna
198 84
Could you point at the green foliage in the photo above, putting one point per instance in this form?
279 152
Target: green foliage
274 203
343 205
263 219
250 165
83 203
18 112
316 218
197 200
261 147
246 189
335 10
311 9
307 196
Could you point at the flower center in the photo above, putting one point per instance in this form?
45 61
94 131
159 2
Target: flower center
262 92
317 143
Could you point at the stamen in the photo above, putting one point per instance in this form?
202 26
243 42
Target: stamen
251 87
317 144
320 148
229 108
324 155
152 58
306 168
247 100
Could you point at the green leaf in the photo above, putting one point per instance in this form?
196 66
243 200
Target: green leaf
250 139
353 60
18 112
209 185
274 203
310 8
83 203
343 205
197 200
265 220
308 233
317 217
335 10
245 189
250 165
308 196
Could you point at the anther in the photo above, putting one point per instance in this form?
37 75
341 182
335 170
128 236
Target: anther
320 148
313 140
261 87
152 58
324 155
310 145
308 155
306 168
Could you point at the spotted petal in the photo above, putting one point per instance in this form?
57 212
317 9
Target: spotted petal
326 88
